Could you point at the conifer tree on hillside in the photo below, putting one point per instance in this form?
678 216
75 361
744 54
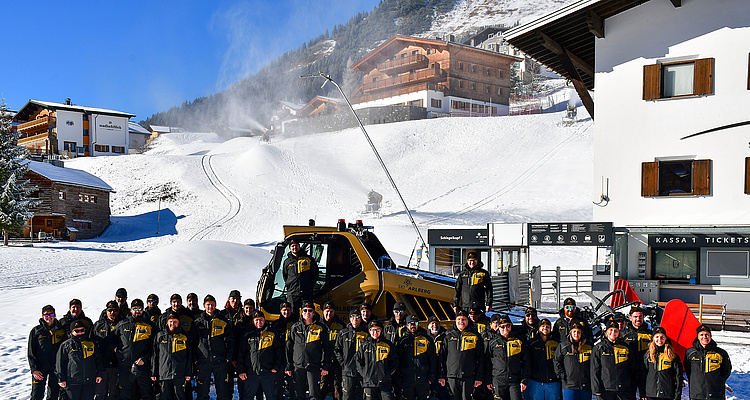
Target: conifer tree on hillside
14 204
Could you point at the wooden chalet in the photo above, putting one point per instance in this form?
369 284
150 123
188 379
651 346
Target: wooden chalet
73 203
319 105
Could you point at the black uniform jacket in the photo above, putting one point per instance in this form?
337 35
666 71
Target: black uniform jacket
135 339
103 333
394 330
213 337
505 361
562 326
172 358
612 367
473 286
345 349
573 366
261 351
334 328
43 345
185 316
376 361
462 355
707 370
417 358
78 362
300 274
152 314
308 347
663 378
638 341
68 318
538 362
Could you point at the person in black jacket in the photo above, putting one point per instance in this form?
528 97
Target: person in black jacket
572 362
171 361
612 367
663 377
300 273
478 319
106 341
637 336
176 307
397 324
331 383
78 364
152 311
505 363
75 313
192 305
194 311
707 367
365 310
261 358
214 346
473 285
308 353
135 343
530 324
436 333
417 361
243 325
539 366
461 358
44 341
569 315
348 341
232 312
376 362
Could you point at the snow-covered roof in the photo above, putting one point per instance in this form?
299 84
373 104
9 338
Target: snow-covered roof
291 105
71 176
133 127
164 129
71 107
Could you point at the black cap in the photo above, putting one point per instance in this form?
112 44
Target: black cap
659 330
612 324
354 311
258 314
569 302
504 319
475 308
75 301
329 306
495 317
48 307
193 296
576 325
121 293
285 304
462 313
375 323
175 296
618 316
702 328
412 318
432 319
545 321
153 297
472 254
173 316
112 305
366 306
136 303
308 304
209 298
235 293
77 324
249 302
399 306
530 311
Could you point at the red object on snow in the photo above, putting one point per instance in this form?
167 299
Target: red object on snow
630 296
680 324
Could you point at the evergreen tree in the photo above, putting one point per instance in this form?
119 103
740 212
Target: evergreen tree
14 204
516 85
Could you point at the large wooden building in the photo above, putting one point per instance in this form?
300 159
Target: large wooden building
443 76
70 200
70 130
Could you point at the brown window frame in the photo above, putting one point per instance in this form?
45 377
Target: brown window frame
747 175
703 79
700 178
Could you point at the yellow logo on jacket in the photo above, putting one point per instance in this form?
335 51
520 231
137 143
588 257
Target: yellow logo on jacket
218 327
313 333
585 354
477 278
468 341
550 346
266 340
514 347
179 343
621 354
381 351
643 341
58 336
303 264
421 344
88 348
713 361
142 332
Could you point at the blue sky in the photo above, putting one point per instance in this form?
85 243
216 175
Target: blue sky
143 57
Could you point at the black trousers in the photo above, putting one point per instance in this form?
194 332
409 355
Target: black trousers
107 388
512 392
48 380
351 388
415 390
438 391
80 392
379 393
172 389
306 380
461 389
266 383
219 370
133 387
331 383
615 396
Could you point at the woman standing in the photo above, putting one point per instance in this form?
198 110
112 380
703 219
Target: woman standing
572 362
663 367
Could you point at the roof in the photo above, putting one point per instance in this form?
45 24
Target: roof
293 106
133 127
69 176
32 105
570 30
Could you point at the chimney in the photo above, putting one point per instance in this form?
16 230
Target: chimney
68 102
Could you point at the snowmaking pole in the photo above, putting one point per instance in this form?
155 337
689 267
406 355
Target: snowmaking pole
382 164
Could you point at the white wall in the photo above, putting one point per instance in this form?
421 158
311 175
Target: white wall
630 131
69 128
108 130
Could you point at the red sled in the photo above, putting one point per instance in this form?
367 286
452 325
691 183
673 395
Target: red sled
680 324
630 296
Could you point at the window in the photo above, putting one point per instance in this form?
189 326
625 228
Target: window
678 79
85 132
473 68
460 84
118 149
747 175
69 146
436 103
674 178
403 55
414 52
85 117
499 91
430 51
488 72
473 86
675 264
102 148
499 74
62 195
415 103
86 198
728 263
487 89
460 66
79 224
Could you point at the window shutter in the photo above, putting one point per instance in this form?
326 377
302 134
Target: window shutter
747 175
651 81
650 179
703 78
702 177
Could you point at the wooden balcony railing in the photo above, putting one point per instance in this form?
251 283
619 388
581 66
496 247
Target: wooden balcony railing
35 125
397 92
425 75
26 140
414 61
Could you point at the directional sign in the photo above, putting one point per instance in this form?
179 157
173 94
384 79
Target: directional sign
570 234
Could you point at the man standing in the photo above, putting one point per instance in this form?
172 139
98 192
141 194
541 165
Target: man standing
529 325
347 343
171 364
376 361
261 358
192 305
707 367
44 341
214 343
539 366
243 326
397 324
78 364
436 333
637 336
479 321
417 361
505 355
300 274
366 311
232 312
473 285
461 358
121 297
569 316
152 309
612 367
135 344
107 342
176 307
75 313
308 353
332 381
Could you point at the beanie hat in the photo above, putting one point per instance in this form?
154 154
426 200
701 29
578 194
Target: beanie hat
75 301
504 319
374 324
432 319
285 304
659 330
258 314
77 324
175 296
235 293
209 298
249 302
412 318
618 316
192 295
329 306
365 306
612 324
472 254
48 307
354 311
530 311
308 304
121 292
136 303
578 326
462 313
702 328
112 305
475 308
399 306
569 302
545 321
173 316
153 297
495 317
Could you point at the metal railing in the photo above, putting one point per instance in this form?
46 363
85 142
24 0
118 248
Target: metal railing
412 60
561 283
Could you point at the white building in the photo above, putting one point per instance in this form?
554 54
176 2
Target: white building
671 153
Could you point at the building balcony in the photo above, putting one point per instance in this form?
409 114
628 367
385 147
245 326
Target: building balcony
399 91
36 126
33 140
426 75
399 65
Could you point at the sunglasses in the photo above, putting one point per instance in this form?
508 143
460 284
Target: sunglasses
111 310
48 315
398 311
307 311
506 326
355 316
570 307
80 330
137 309
413 323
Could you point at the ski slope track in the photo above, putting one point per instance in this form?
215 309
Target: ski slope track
234 201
